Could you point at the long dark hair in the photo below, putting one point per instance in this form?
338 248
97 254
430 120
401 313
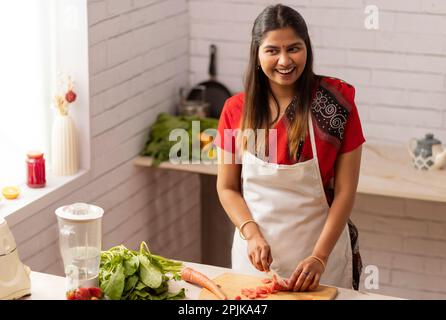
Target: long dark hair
257 114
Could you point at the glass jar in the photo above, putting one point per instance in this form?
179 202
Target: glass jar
35 162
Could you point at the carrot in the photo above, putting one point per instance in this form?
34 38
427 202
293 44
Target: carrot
197 278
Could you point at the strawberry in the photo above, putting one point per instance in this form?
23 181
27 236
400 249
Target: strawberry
70 295
82 294
70 96
95 292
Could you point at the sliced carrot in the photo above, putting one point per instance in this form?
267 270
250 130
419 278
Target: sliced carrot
247 292
197 278
262 290
280 285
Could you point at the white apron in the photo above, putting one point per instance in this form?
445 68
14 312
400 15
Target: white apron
289 204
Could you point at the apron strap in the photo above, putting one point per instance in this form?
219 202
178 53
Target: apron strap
312 139
314 150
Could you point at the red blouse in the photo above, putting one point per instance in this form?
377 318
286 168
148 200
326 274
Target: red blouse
335 120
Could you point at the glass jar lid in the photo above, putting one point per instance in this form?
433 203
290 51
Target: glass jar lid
80 212
34 154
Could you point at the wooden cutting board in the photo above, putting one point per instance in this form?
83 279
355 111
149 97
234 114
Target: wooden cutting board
232 283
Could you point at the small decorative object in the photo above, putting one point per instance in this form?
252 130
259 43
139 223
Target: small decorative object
64 144
35 174
427 153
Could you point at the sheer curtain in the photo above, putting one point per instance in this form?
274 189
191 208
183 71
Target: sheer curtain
26 74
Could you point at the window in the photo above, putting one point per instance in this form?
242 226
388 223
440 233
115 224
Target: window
25 77
40 40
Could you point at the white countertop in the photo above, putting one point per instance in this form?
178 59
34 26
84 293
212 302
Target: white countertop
50 287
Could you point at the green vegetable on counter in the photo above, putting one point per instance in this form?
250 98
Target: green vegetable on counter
158 145
126 274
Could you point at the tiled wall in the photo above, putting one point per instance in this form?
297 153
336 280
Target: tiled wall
138 53
406 240
399 72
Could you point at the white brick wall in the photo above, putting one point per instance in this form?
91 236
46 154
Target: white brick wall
399 72
406 239
142 51
138 52
399 69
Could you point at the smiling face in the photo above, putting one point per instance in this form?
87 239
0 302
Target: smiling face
282 57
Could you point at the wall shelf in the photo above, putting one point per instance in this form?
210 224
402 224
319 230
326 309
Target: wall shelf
386 170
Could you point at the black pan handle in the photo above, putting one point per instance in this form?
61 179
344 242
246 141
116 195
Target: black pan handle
212 68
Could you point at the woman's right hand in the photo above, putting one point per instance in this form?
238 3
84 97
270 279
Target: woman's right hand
259 253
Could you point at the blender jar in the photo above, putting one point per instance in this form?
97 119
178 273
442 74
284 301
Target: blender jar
80 243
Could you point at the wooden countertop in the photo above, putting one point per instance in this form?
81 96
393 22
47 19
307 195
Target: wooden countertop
50 287
385 170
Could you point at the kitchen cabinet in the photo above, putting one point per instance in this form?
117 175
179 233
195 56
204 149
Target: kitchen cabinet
50 287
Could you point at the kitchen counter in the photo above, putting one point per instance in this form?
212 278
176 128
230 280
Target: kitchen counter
50 287
385 170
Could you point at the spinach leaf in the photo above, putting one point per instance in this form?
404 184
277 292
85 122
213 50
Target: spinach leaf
115 285
131 266
131 282
150 275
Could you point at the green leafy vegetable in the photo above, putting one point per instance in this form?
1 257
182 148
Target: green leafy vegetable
115 285
134 275
150 275
158 145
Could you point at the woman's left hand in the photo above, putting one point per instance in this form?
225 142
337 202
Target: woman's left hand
306 276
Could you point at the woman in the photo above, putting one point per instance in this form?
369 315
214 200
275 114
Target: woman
291 211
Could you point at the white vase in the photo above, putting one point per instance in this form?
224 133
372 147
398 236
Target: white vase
64 146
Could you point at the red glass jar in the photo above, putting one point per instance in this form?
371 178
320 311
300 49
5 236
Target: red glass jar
35 162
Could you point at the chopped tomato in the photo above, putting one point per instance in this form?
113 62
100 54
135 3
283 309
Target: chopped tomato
238 298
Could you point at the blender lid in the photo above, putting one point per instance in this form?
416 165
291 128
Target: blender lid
80 212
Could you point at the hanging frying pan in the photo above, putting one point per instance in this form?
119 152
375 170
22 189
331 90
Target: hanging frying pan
216 93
